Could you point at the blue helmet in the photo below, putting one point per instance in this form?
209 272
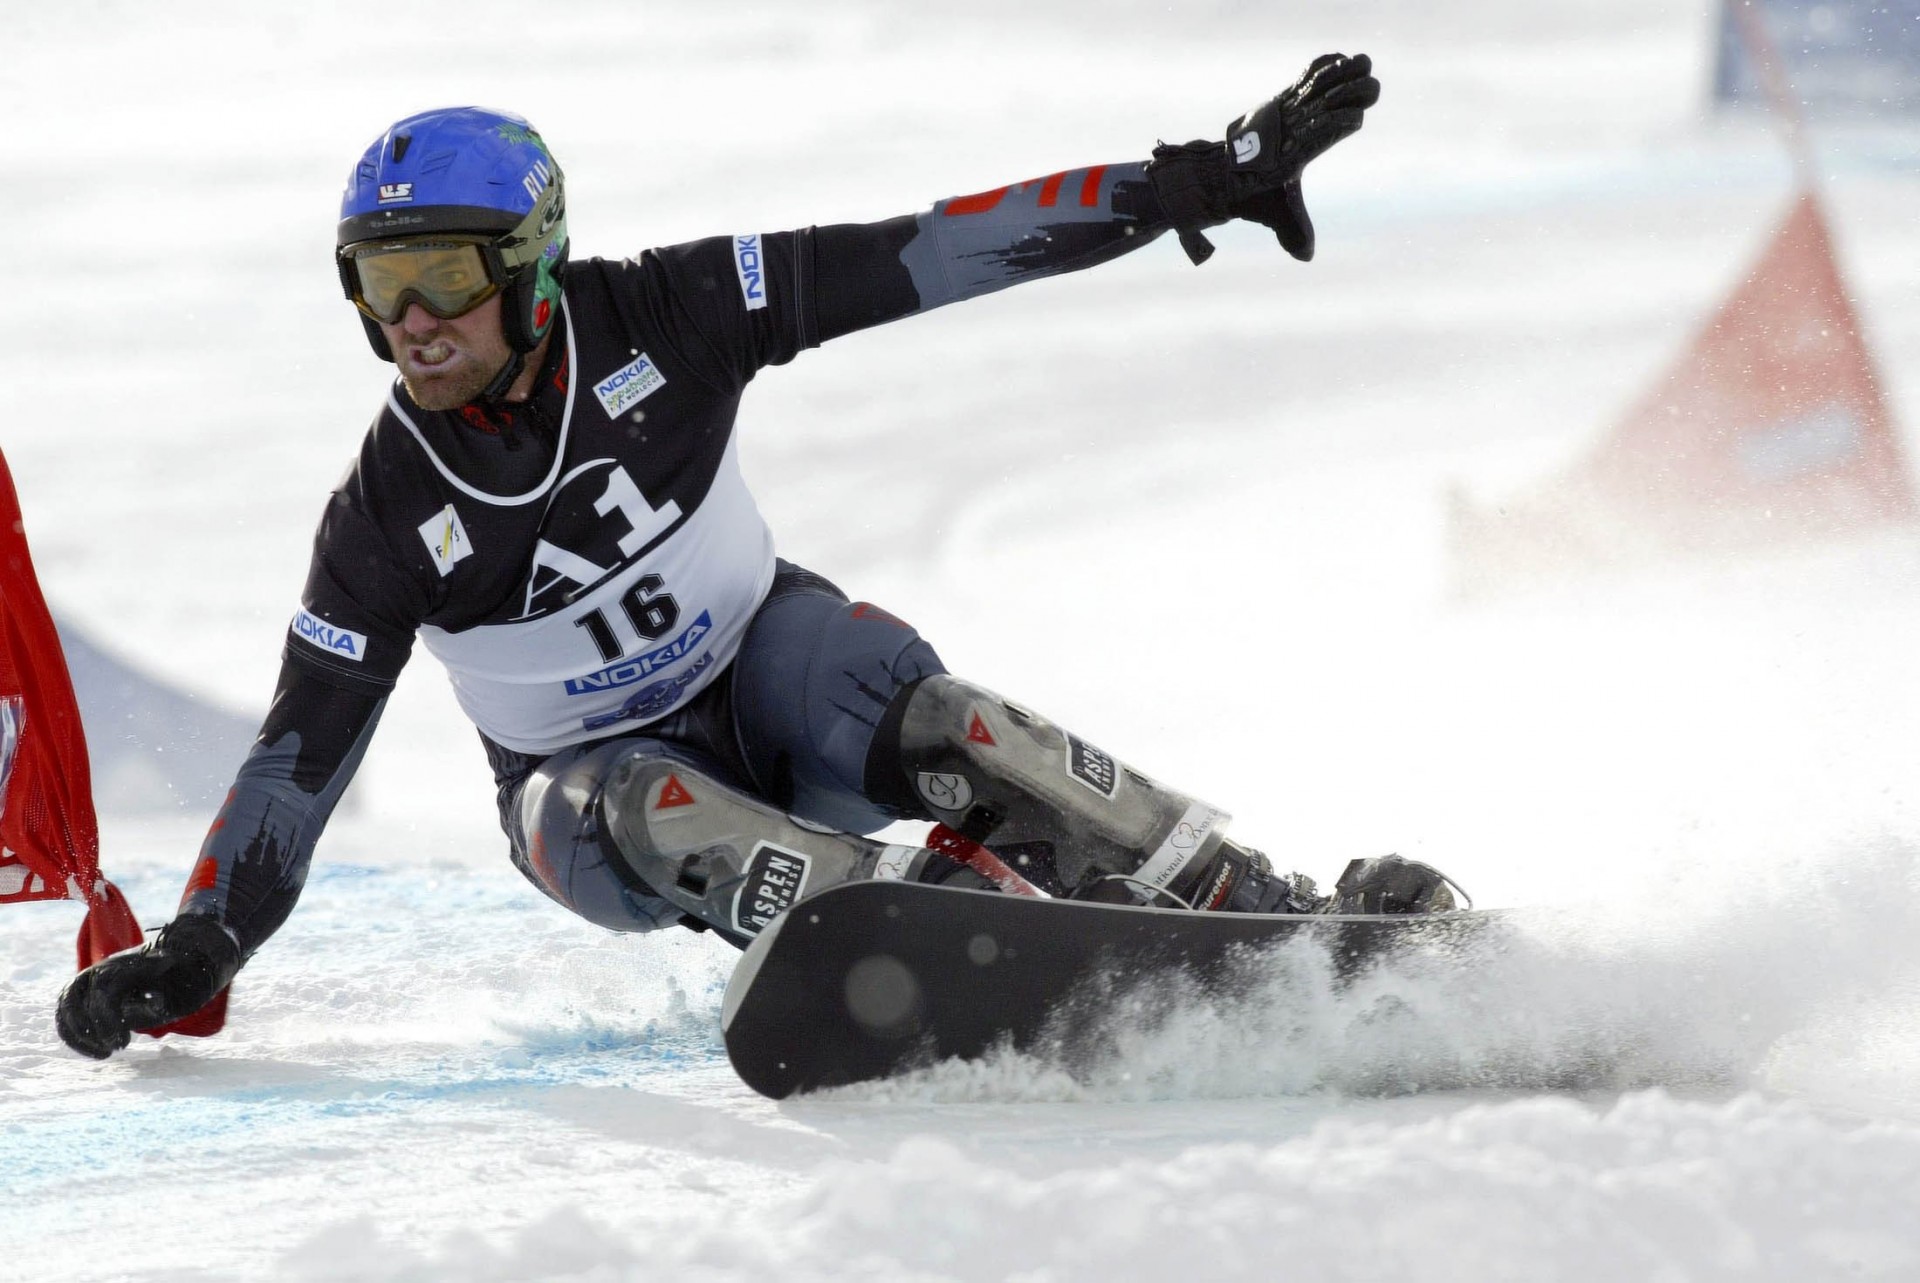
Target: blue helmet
469 172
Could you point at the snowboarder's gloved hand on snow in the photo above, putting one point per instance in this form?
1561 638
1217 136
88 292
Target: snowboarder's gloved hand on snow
1255 173
169 978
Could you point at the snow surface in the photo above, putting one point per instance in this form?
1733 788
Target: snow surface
1195 515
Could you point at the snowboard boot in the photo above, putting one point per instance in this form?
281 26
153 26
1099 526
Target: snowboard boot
1393 884
1007 778
1242 880
734 862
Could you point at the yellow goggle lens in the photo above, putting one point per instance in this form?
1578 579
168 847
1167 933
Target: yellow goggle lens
447 279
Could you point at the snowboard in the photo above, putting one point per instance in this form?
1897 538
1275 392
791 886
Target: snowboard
869 979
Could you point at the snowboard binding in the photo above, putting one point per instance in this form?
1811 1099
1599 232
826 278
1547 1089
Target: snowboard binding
1393 884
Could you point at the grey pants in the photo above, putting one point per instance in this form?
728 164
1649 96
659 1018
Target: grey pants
790 722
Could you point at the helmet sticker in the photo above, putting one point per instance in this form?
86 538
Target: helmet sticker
536 181
519 134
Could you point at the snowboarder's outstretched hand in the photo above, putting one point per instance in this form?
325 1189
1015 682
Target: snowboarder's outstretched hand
1271 144
1255 173
172 976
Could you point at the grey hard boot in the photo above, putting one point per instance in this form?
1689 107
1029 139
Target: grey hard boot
1004 776
1242 880
735 862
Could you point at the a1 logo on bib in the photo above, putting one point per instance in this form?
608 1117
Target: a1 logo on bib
446 539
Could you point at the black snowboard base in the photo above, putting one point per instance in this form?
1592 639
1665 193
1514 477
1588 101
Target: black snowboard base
869 979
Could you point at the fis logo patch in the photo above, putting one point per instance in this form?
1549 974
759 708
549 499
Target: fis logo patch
396 193
446 539
341 643
1246 147
750 267
1092 767
774 880
629 385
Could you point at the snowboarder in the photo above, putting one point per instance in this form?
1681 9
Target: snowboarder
683 728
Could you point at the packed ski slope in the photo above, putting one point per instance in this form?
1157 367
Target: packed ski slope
1195 514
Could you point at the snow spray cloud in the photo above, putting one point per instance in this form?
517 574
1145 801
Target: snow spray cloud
1697 990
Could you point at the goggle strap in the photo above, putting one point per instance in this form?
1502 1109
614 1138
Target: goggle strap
523 246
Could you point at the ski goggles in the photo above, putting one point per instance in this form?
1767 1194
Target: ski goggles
447 275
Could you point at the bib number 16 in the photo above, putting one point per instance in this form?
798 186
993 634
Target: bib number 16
646 609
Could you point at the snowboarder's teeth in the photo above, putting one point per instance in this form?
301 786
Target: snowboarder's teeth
433 354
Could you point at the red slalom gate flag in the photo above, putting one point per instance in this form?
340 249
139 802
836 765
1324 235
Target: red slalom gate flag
1772 424
49 834
1768 430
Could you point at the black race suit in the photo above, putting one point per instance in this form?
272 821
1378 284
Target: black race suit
586 563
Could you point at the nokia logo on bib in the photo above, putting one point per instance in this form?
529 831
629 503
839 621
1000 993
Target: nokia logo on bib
640 667
343 642
751 269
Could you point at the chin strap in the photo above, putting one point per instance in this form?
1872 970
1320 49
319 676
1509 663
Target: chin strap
496 391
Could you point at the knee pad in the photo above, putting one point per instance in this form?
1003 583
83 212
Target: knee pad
559 845
1001 774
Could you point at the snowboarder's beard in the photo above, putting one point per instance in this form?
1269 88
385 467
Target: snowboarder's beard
451 388
450 361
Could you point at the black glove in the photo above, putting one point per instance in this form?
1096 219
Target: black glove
172 976
1255 173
